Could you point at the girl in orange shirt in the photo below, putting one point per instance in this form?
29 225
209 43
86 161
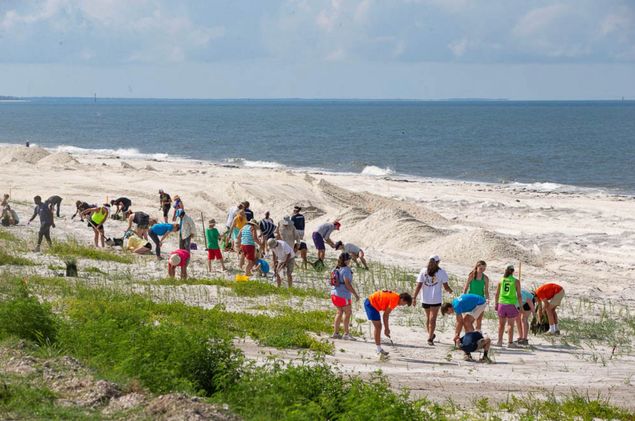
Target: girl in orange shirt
383 301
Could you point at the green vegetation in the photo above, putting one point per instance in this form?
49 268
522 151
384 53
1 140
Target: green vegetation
96 270
248 289
72 248
22 399
23 316
576 407
8 236
8 259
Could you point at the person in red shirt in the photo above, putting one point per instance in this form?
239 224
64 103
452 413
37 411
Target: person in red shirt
178 258
550 295
383 301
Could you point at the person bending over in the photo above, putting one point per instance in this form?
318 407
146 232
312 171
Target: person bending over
383 301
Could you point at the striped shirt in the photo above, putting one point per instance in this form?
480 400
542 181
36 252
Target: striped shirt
267 227
246 238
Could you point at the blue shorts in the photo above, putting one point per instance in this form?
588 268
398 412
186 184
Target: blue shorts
318 241
371 312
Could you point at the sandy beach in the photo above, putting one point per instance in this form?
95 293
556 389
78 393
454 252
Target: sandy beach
581 239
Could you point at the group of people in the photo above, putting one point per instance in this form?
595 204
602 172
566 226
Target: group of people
253 240
513 304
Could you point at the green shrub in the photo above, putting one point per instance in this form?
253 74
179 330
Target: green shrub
23 316
216 365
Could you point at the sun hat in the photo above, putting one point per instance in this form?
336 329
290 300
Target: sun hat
174 259
272 242
286 220
435 257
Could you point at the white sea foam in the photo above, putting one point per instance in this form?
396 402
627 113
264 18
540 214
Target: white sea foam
128 153
254 164
377 171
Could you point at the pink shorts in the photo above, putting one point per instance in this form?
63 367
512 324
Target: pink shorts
214 254
508 311
340 301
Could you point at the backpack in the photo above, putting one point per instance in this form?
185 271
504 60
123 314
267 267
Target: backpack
334 277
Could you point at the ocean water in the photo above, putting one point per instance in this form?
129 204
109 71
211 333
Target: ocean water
548 144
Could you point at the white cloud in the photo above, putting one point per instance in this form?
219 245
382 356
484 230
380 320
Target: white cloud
538 19
459 47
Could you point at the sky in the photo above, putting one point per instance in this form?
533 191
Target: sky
393 49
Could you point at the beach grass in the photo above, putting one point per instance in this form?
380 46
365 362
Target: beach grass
72 248
7 259
253 288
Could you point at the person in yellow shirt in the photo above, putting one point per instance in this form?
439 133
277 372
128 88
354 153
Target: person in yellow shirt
383 301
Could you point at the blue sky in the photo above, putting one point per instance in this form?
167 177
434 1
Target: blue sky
427 49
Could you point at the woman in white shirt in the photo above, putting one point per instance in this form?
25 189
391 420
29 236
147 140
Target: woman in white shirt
430 281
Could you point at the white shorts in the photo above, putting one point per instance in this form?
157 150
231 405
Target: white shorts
556 299
478 310
301 234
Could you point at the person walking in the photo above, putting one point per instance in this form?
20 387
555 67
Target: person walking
286 232
342 291
478 284
267 230
298 221
248 240
46 221
431 281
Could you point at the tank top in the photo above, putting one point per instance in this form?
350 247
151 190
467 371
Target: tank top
240 222
477 286
247 239
99 216
508 293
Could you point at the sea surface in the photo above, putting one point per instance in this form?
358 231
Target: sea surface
551 145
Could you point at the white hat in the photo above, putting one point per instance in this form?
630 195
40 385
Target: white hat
435 258
286 220
174 259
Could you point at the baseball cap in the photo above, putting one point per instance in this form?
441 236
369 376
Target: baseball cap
435 257
175 259
337 225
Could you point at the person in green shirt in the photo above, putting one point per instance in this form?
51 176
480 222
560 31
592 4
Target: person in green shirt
478 284
508 299
213 249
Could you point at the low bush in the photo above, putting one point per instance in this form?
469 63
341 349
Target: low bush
248 289
23 316
9 259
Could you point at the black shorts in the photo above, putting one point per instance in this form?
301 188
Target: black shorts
166 210
303 246
526 307
424 305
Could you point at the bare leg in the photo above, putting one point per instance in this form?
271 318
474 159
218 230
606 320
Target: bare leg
347 319
501 329
427 311
338 320
468 323
479 322
510 332
434 312
377 331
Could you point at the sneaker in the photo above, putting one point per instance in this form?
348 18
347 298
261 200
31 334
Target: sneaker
485 360
512 345
382 353
549 333
336 336
36 249
557 333
431 340
468 357
498 344
349 337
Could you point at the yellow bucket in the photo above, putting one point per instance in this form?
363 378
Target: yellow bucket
242 278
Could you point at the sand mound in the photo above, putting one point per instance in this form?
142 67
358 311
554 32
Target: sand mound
150 168
386 229
464 247
58 159
22 154
127 166
371 203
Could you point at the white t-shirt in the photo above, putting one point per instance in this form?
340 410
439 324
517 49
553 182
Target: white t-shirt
432 289
282 250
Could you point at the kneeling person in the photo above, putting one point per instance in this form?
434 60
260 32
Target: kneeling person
475 341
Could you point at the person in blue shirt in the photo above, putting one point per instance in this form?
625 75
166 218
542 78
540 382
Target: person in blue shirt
468 308
262 266
161 230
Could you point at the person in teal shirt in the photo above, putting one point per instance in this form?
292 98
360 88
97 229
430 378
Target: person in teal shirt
467 308
213 249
